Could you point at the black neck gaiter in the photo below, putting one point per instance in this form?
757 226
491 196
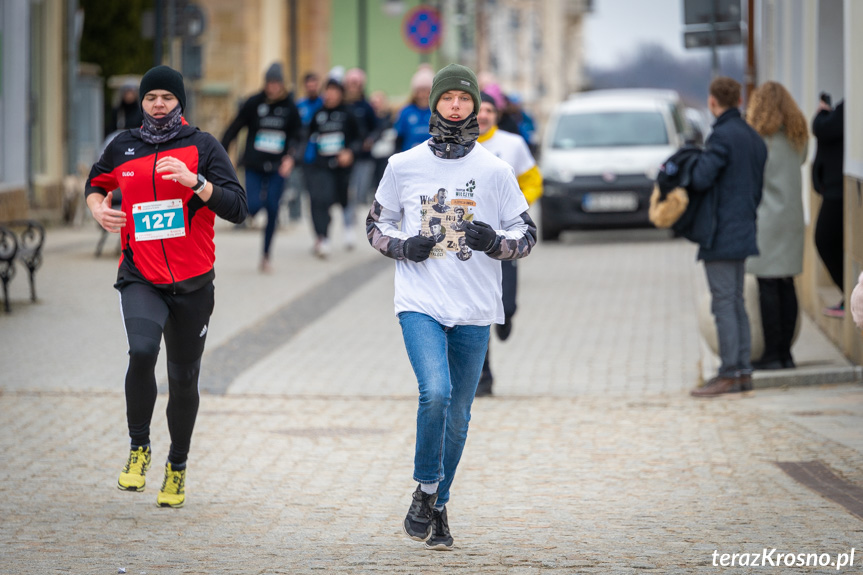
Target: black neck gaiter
452 140
159 130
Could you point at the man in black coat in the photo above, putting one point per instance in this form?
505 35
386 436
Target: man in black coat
730 172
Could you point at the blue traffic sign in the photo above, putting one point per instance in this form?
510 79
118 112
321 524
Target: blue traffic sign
422 29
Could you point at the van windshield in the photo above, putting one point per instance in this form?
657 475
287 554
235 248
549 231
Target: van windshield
610 129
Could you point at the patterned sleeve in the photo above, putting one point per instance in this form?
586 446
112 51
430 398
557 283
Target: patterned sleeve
383 231
516 240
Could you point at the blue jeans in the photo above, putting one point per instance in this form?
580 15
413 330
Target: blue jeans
447 362
725 279
260 188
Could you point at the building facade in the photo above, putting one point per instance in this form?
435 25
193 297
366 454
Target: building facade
809 47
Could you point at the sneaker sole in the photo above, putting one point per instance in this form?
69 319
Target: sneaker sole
414 537
170 506
131 488
438 547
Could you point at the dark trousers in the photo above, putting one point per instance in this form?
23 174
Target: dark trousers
148 315
509 268
829 239
725 280
265 190
509 283
778 301
327 186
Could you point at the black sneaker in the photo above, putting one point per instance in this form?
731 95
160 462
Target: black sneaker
440 538
418 522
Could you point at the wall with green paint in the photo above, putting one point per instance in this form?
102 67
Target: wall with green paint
390 61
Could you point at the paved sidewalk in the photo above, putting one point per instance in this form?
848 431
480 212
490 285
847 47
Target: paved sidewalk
590 458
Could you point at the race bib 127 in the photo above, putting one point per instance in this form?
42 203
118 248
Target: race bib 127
158 220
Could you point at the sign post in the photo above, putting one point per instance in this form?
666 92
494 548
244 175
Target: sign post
712 23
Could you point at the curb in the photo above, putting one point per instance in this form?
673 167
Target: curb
803 376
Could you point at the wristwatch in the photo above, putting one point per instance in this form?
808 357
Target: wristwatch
202 182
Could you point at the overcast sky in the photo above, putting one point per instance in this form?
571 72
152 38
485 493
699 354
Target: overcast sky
617 27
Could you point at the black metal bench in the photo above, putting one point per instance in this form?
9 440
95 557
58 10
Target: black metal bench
20 240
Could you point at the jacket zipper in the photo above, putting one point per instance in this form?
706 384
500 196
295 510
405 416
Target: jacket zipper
164 251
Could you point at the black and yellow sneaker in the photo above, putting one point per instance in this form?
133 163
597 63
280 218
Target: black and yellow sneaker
173 492
440 539
418 522
134 474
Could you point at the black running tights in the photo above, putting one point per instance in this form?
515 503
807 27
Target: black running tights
149 314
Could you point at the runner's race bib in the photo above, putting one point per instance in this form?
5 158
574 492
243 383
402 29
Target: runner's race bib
331 144
158 220
270 141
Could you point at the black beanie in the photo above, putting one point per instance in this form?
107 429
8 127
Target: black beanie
486 98
163 78
335 83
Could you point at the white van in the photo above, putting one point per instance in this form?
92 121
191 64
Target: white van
600 155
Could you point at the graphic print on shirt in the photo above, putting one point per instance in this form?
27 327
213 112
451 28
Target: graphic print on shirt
444 220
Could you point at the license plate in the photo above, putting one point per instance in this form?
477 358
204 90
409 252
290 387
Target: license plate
610 202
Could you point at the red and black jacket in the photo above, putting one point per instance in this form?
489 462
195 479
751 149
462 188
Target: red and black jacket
181 264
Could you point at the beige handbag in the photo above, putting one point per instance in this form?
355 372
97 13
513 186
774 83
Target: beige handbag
663 213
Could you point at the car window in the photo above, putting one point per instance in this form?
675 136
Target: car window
679 122
608 129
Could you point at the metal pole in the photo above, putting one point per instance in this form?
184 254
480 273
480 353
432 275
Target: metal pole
171 22
714 56
157 36
750 48
362 36
479 35
295 73
74 20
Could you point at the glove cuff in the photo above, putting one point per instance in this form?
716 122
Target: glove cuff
495 245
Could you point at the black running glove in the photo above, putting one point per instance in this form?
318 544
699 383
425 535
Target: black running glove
479 236
418 248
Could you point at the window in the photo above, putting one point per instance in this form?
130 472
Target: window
610 129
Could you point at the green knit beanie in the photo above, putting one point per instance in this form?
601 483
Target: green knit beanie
455 77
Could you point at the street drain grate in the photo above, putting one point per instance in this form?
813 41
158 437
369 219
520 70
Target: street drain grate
818 477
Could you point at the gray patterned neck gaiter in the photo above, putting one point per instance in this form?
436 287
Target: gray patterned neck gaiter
452 140
159 130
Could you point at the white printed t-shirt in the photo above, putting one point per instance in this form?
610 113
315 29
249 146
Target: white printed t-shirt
455 286
512 149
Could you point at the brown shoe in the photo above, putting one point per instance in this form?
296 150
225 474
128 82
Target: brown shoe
745 382
717 386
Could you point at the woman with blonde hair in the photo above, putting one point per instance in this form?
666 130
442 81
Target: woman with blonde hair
773 113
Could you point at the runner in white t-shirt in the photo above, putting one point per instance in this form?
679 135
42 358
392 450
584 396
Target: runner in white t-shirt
512 149
447 290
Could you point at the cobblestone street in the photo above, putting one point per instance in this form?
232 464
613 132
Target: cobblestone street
590 458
